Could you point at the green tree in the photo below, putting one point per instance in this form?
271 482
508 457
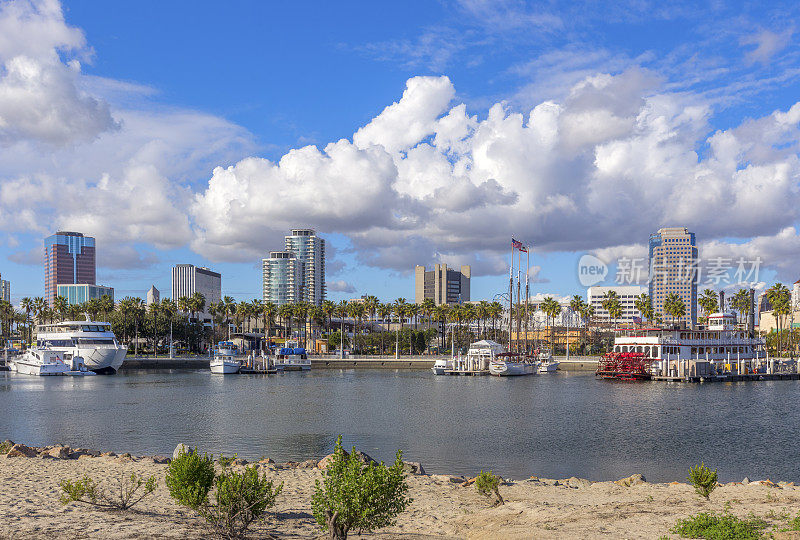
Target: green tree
674 306
708 302
612 304
781 299
358 495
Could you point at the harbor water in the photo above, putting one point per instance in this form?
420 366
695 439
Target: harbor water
555 426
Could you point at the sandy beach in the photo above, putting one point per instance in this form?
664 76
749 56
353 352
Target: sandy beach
443 506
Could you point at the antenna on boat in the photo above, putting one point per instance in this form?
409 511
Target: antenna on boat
511 294
527 290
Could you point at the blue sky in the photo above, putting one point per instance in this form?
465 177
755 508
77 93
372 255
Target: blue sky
180 132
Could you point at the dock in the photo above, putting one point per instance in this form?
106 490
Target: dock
731 378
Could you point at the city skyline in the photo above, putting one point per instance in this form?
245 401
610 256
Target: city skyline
479 122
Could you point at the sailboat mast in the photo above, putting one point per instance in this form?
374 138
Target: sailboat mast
511 295
527 291
519 298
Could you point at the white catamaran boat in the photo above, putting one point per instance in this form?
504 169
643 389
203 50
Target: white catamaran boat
477 360
441 365
719 350
225 359
292 357
37 361
93 341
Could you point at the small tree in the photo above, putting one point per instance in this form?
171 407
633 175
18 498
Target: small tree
131 490
488 484
239 498
703 479
358 495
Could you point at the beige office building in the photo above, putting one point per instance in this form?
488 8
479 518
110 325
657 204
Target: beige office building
673 269
442 284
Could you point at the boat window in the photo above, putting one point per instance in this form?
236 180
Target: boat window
96 341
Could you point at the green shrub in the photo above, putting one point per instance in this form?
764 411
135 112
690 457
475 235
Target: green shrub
129 492
488 484
355 495
239 498
720 527
190 477
5 447
792 524
703 479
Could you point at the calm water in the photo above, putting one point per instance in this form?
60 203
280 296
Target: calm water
553 426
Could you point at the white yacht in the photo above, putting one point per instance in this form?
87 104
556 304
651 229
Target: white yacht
225 359
547 364
91 340
441 365
512 365
718 350
292 357
476 362
37 361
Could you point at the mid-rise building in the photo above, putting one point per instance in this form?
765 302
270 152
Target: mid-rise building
796 294
443 285
283 276
627 298
78 293
309 249
153 295
5 290
188 279
673 269
69 258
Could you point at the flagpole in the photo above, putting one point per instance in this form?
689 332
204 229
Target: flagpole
511 295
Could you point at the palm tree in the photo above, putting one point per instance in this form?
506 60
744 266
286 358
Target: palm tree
300 311
384 311
356 310
781 299
285 311
708 302
741 302
551 309
674 306
169 309
27 305
371 307
612 304
644 306
154 308
399 309
268 313
106 306
60 305
329 308
341 312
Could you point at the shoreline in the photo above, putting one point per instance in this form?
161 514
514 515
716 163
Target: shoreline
445 506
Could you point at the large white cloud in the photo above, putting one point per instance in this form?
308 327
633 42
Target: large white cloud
613 161
40 98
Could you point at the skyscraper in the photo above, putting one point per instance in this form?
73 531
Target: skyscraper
442 284
5 290
69 258
188 279
282 276
309 249
673 269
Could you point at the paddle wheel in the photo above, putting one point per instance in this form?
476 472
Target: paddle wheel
626 366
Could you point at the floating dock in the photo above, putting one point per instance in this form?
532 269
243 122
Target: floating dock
731 378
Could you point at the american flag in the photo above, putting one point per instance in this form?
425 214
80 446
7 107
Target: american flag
515 244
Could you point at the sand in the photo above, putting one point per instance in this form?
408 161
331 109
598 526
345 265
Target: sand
535 508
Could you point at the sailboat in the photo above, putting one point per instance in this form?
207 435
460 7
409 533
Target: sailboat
516 362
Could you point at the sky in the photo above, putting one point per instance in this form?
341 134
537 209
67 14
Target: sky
404 133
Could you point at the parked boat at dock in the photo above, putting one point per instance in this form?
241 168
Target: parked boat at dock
93 341
292 357
225 360
40 362
477 360
718 351
513 365
547 364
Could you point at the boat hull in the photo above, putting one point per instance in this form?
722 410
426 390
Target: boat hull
502 368
225 367
548 367
42 370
